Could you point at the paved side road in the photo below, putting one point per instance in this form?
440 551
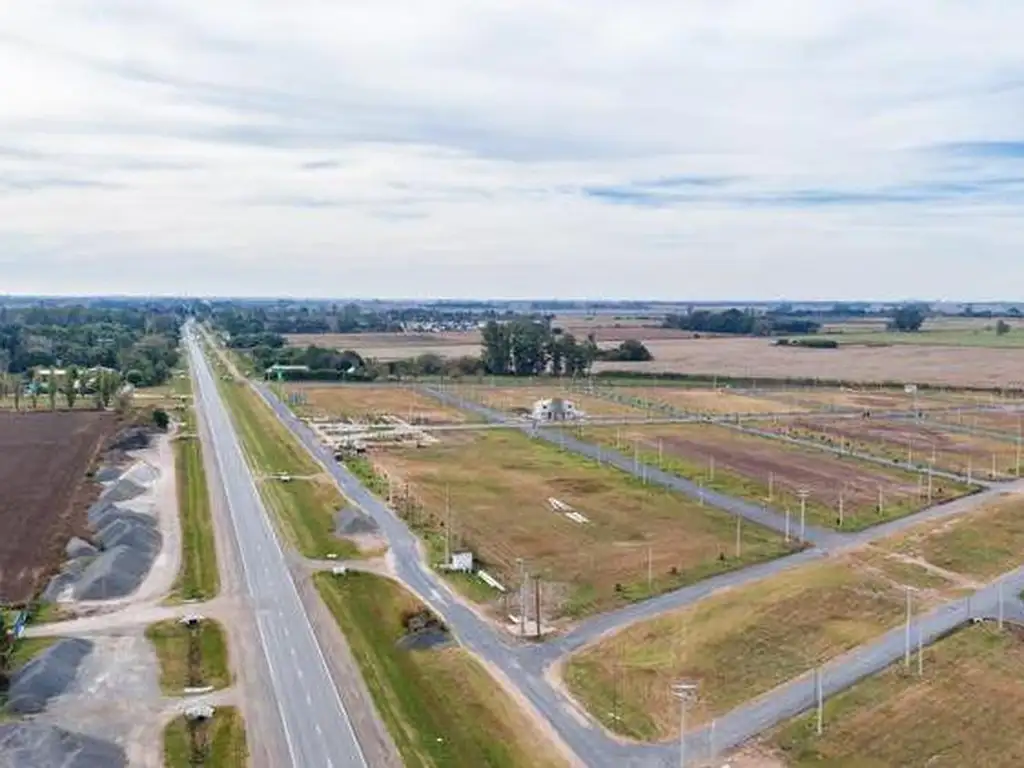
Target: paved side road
315 724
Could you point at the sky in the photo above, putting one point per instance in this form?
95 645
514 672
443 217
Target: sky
695 149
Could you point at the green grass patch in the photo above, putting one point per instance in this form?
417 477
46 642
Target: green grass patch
965 710
441 707
198 578
190 657
218 742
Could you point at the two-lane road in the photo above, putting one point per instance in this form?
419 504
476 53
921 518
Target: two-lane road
315 724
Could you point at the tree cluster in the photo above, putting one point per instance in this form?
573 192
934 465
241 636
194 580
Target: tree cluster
908 318
529 347
737 322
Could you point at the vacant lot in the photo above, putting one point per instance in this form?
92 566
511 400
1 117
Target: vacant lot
440 705
1007 422
966 710
44 458
921 442
982 545
500 484
762 469
221 739
520 399
716 401
747 357
740 643
369 403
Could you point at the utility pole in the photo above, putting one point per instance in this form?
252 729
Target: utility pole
660 447
447 525
536 603
522 597
682 691
700 492
999 588
787 523
881 499
711 468
771 486
906 649
840 509
821 701
739 541
636 456
803 493
993 465
931 470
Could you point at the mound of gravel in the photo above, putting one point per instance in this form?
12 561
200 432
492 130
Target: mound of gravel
33 745
132 439
49 674
79 548
352 522
122 490
107 474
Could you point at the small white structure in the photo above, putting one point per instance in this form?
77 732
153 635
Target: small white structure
556 409
462 562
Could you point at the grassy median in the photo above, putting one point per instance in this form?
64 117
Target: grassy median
198 578
190 657
215 743
440 705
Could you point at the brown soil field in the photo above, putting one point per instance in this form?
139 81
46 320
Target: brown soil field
1009 422
43 462
744 465
522 398
718 401
747 357
922 442
367 401
500 483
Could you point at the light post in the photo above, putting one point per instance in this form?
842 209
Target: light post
682 691
906 649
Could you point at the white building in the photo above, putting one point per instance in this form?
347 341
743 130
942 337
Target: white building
556 409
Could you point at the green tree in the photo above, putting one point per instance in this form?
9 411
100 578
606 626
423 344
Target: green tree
16 386
70 387
529 347
1002 328
497 348
908 319
51 389
161 419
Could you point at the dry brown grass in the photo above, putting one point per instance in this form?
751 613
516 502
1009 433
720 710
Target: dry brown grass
740 643
521 398
367 401
716 401
500 483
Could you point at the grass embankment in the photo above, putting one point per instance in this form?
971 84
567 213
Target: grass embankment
965 710
983 545
741 643
305 506
500 485
219 742
441 707
190 657
198 578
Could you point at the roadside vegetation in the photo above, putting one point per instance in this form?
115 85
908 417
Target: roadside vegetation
217 743
742 642
441 706
965 710
190 656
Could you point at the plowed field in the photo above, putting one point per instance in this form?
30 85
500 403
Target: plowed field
43 491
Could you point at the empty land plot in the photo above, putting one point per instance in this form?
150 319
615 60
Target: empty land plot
740 643
520 400
369 403
923 443
982 545
965 710
1003 421
713 401
500 484
761 469
44 458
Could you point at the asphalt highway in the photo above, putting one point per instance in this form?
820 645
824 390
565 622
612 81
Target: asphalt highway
314 721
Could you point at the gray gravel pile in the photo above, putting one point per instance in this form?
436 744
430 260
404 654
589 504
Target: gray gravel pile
34 745
127 540
132 439
49 674
352 522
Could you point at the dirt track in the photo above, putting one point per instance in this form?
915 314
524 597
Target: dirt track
43 461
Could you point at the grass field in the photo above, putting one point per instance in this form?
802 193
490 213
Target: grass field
965 710
982 545
520 399
713 401
198 578
178 669
964 337
500 483
305 507
921 442
368 403
222 739
764 470
740 643
441 707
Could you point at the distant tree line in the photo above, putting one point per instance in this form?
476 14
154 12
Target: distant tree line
739 322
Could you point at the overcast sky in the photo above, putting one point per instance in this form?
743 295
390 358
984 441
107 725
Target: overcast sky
582 148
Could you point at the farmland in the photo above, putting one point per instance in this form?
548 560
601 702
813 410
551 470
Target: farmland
965 710
742 642
45 491
499 484
369 403
761 469
920 442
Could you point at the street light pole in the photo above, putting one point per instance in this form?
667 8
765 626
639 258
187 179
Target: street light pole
906 649
682 691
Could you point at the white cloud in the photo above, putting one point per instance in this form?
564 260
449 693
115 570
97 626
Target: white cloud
465 147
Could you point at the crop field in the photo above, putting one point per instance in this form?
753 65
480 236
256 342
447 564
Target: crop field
369 403
740 643
762 469
44 458
520 400
499 484
921 442
981 546
965 710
